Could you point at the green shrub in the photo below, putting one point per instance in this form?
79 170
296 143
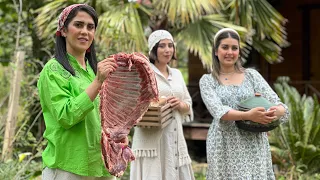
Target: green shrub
295 145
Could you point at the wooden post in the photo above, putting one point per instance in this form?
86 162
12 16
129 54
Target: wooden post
13 107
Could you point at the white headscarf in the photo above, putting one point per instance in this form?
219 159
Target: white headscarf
157 36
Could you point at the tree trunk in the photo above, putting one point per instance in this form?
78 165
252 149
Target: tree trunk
13 107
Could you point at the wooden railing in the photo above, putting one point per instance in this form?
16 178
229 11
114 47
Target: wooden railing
198 129
201 114
307 87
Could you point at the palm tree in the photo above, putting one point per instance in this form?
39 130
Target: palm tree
295 145
125 24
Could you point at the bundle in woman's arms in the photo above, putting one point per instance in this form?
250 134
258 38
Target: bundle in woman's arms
124 97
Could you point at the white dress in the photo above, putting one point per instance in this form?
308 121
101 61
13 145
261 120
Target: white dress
232 153
162 154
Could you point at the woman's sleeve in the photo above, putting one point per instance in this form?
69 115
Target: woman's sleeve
261 86
211 99
188 117
56 97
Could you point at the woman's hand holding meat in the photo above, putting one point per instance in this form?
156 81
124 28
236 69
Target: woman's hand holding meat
105 68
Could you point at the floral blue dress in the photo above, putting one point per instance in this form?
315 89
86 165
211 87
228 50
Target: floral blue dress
233 153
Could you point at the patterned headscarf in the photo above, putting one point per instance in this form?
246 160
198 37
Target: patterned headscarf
63 16
222 31
157 36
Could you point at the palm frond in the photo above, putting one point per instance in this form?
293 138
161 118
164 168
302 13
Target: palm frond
47 17
297 137
279 152
197 37
268 25
315 130
186 11
121 27
268 49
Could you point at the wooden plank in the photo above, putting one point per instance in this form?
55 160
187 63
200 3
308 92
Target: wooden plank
164 119
150 118
165 107
168 111
195 133
166 123
197 124
148 124
152 113
195 130
13 109
153 108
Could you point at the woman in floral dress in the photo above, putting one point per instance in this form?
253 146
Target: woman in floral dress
233 153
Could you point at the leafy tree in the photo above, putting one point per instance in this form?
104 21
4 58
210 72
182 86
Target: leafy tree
20 34
124 25
8 21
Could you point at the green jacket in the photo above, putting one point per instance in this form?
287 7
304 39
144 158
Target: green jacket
73 127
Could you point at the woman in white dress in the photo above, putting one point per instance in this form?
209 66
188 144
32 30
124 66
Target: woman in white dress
162 154
233 153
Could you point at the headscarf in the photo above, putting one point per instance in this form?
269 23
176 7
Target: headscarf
63 16
157 36
222 31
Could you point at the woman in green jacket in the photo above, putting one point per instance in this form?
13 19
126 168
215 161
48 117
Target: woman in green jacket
68 87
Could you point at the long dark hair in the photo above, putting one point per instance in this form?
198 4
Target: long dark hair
60 46
153 54
216 63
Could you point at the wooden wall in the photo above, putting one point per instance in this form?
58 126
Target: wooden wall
302 57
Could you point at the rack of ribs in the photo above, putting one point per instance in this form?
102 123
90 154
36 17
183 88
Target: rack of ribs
124 97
